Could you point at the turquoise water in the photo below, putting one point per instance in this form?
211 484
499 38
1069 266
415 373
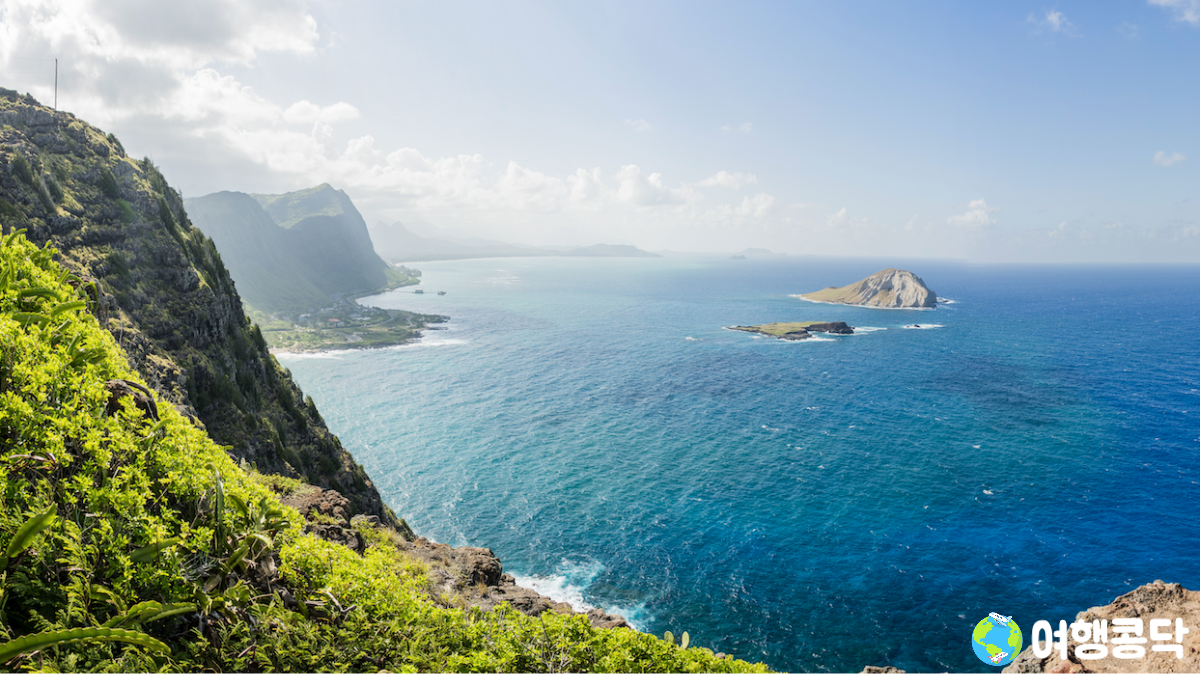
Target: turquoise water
820 505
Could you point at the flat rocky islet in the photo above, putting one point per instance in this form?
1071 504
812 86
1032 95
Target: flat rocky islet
797 330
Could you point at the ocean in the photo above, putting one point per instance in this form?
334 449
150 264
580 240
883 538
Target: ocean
820 505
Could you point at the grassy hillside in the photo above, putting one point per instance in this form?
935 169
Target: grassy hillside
164 294
133 543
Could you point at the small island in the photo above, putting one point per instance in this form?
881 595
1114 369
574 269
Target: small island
798 330
889 289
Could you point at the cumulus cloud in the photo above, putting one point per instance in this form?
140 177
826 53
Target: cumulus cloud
1163 159
729 180
743 128
1187 11
1053 21
977 215
119 57
638 125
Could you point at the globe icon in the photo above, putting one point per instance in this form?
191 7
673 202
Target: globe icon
996 639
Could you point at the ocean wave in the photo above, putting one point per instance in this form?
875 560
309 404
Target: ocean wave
924 326
691 339
569 584
333 354
858 330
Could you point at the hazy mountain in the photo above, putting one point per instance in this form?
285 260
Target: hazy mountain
292 251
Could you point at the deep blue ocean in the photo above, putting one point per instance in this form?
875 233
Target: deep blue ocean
822 505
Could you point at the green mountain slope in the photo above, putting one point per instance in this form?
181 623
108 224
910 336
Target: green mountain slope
164 293
294 252
255 252
331 238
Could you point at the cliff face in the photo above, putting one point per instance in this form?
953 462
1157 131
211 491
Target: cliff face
293 252
890 288
165 295
1153 601
329 238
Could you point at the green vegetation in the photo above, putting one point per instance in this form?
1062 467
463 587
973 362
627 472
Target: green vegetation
137 544
161 289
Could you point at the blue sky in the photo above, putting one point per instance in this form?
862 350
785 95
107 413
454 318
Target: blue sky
985 131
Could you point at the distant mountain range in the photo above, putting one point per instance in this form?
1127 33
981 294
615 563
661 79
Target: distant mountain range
294 251
397 243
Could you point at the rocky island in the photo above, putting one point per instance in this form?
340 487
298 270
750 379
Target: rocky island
799 330
890 288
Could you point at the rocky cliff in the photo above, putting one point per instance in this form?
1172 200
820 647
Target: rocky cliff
890 288
1153 601
164 294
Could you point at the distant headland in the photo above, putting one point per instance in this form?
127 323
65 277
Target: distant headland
890 288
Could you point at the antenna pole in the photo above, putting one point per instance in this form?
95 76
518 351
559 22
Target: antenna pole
56 84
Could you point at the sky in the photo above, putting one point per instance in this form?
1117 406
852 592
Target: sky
1012 131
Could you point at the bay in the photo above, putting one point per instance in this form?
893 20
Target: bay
819 505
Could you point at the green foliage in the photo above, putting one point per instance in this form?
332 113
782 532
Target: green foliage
53 188
127 213
22 169
55 638
108 183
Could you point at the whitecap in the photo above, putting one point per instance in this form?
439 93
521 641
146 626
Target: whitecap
924 326
569 584
691 339
333 354
858 330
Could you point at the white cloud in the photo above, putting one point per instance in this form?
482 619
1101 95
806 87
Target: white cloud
1053 21
729 180
118 58
842 219
637 189
1184 10
1163 159
743 128
976 215
638 125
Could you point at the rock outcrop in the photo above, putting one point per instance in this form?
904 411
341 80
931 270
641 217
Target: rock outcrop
1152 601
890 288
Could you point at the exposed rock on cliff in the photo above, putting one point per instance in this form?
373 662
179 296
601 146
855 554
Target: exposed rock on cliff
164 293
1153 601
891 288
